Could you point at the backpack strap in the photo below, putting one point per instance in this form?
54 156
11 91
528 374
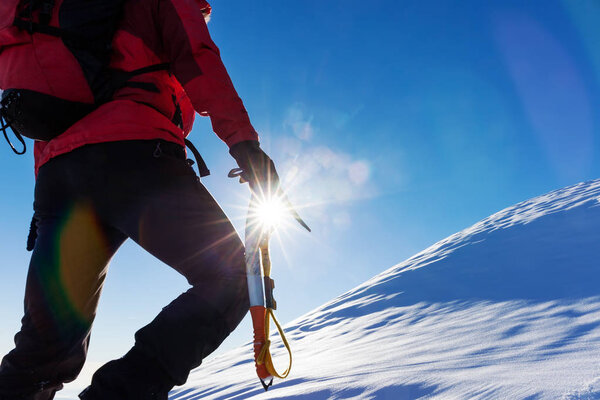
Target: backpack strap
117 79
123 77
28 6
32 27
202 168
37 27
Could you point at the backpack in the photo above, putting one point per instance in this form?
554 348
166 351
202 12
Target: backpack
86 28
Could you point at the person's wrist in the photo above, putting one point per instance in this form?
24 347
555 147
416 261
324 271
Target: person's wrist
242 151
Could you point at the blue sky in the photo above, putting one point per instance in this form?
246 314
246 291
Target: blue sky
393 125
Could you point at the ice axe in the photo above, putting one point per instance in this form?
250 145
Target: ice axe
261 286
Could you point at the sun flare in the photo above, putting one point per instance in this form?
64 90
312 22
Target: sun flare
270 213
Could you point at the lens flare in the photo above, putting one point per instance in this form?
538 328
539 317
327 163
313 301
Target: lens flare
270 213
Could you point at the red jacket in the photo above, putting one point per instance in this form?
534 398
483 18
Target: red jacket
152 32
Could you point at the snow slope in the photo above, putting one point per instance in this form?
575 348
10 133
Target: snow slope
506 309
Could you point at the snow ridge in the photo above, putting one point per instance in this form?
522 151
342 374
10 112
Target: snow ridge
506 309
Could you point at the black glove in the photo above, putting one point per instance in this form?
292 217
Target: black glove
258 169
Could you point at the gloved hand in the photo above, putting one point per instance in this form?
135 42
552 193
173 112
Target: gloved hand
258 169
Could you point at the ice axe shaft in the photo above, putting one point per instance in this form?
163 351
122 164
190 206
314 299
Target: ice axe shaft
262 303
261 286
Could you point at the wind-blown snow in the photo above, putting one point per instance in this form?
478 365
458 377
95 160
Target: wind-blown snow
506 309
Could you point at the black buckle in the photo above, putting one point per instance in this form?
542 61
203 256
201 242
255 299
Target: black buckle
269 299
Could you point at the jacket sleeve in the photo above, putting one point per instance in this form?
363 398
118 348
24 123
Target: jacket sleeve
196 63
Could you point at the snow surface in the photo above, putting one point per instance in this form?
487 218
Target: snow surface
506 309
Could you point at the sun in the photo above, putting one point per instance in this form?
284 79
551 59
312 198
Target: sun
273 214
270 212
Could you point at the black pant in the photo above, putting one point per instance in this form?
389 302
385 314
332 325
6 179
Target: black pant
87 203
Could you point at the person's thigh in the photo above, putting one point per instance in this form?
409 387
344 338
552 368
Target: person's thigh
163 207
